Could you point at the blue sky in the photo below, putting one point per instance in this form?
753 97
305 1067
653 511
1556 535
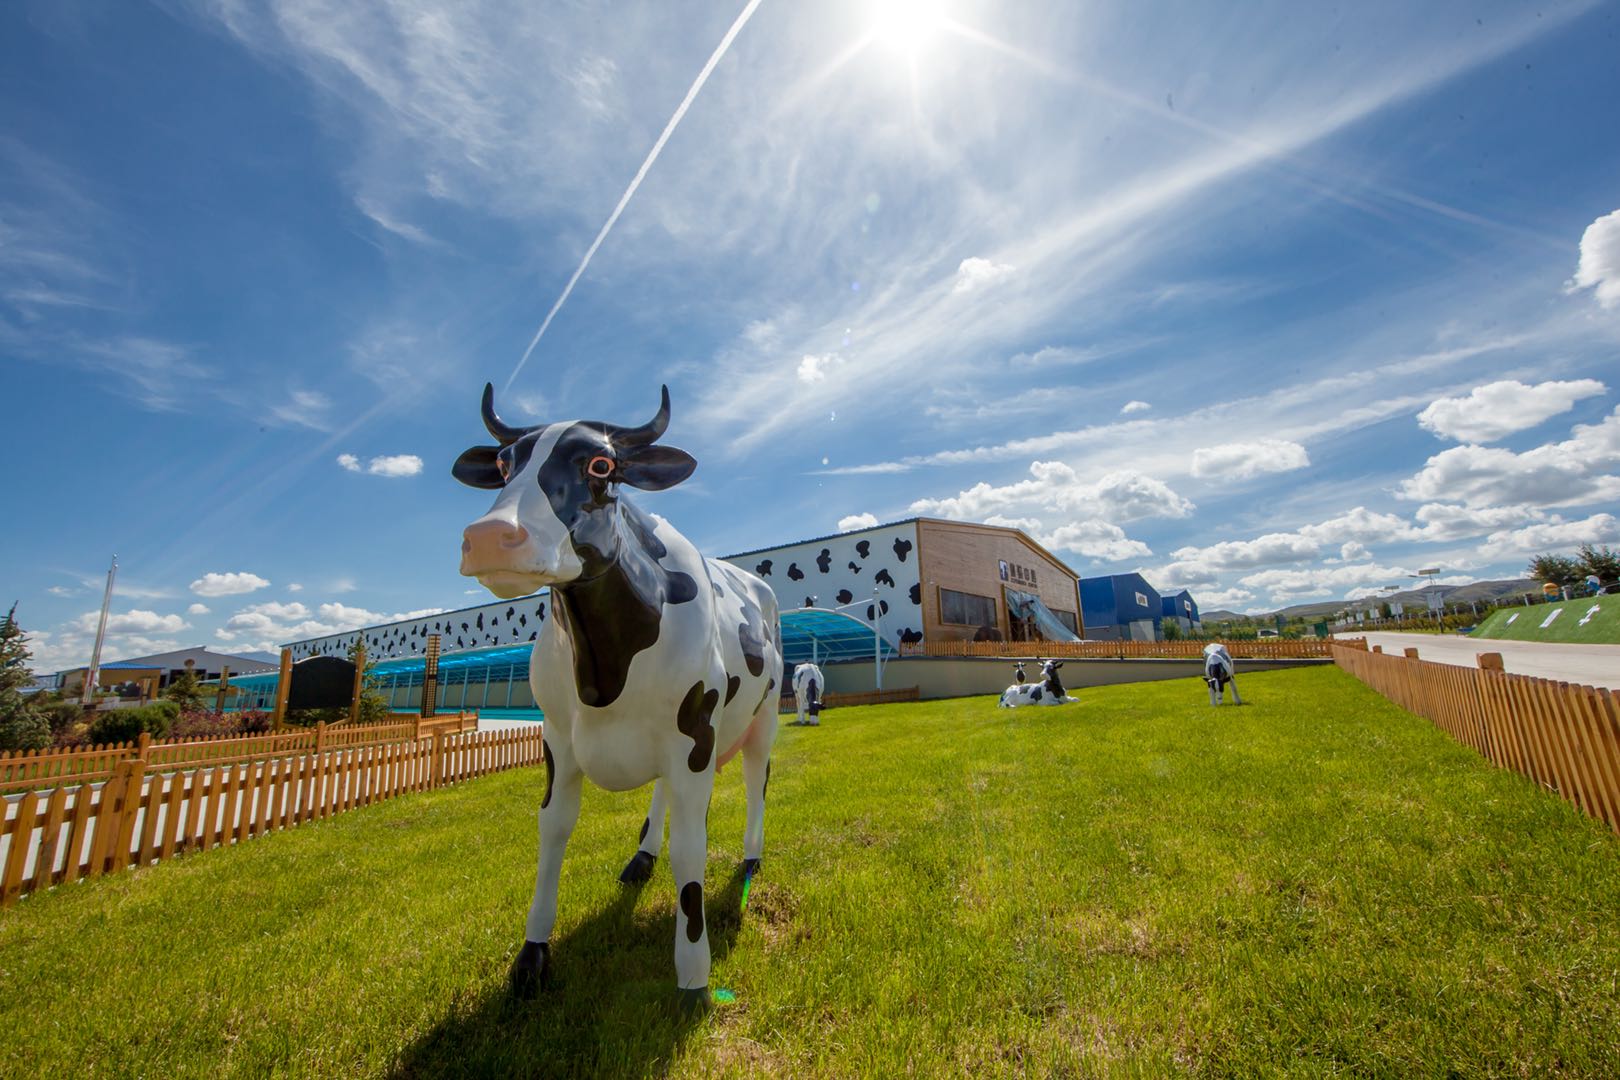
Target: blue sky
1274 301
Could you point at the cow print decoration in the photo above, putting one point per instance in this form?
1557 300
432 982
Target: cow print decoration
480 628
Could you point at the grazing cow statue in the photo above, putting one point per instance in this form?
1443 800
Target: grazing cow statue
807 684
657 664
1219 672
1049 691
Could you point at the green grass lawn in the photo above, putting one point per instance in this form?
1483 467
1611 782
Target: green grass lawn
1316 883
1603 628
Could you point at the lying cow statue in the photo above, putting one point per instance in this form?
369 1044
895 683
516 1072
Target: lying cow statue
807 684
1049 691
657 665
1219 672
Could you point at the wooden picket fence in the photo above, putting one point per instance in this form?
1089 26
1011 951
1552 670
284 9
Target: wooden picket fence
42 768
1262 649
138 811
1563 736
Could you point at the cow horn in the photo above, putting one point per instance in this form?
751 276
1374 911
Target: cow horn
649 432
504 433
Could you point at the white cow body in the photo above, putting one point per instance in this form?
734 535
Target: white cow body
657 664
1049 691
808 687
1219 673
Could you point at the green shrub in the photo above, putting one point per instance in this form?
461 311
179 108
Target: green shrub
126 725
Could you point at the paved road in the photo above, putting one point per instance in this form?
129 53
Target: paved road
1594 665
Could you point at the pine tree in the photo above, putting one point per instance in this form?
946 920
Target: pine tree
22 726
374 708
1555 569
1601 563
185 691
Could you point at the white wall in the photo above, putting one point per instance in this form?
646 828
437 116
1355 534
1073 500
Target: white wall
504 622
824 570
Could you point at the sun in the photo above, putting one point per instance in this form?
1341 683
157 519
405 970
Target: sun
907 26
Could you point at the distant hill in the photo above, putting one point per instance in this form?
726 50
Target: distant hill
1411 599
261 657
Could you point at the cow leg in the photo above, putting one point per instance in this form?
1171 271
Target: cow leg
756 775
1232 682
640 866
688 855
559 810
1214 694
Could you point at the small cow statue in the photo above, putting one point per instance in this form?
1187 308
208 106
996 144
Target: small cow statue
1219 672
807 684
657 664
1018 673
1049 691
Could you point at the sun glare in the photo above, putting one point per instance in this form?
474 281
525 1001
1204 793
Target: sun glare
907 26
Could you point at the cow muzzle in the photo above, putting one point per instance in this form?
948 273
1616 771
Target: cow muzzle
500 554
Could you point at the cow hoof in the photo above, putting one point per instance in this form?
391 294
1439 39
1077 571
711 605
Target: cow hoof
750 867
638 869
531 971
695 1002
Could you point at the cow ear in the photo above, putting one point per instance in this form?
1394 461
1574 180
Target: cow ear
654 468
477 468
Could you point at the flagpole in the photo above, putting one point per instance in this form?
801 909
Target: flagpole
92 676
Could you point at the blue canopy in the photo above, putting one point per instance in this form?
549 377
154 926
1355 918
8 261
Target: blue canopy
828 636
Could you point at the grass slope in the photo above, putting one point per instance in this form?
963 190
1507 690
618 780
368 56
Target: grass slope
1603 628
1316 883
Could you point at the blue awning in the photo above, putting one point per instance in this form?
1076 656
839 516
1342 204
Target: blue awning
828 636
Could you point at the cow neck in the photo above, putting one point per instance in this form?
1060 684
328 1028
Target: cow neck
1054 685
612 616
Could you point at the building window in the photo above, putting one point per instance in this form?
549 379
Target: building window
966 609
1141 600
1067 619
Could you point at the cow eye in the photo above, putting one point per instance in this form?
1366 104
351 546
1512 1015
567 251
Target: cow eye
600 467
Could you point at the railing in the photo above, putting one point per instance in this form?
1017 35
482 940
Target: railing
1263 649
1563 736
142 812
42 768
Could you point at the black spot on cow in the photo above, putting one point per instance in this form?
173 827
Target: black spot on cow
794 573
751 633
692 908
883 606
693 720
824 560
732 684
715 585
863 548
854 568
901 548
908 636
916 594
545 749
871 613
646 824
845 596
764 568
882 577
460 644
766 786
1035 694
540 611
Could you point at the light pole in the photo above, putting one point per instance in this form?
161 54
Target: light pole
1432 596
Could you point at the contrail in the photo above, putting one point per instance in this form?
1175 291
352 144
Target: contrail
624 200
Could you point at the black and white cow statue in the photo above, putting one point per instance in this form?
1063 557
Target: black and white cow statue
1049 691
1219 672
1018 673
807 684
657 664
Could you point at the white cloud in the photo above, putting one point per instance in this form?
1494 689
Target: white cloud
197 609
814 368
1098 540
295 587
1443 521
1599 268
1243 460
857 521
395 465
135 621
306 408
1223 599
227 584
1261 551
1353 551
344 585
392 465
1553 536
1134 407
294 621
62 590
1359 524
1324 581
1574 472
1500 408
1117 496
975 273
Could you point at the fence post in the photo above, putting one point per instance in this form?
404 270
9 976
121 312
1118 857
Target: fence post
1378 648
359 679
224 684
283 685
1489 661
438 757
1411 653
430 677
320 736
120 818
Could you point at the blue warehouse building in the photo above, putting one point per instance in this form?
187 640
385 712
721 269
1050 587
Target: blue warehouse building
1180 608
1121 607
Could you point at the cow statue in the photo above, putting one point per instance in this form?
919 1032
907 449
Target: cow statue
656 665
1219 672
807 684
1018 673
1049 691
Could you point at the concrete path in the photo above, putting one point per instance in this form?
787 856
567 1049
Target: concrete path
1593 665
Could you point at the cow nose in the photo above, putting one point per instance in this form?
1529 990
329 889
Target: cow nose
491 540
